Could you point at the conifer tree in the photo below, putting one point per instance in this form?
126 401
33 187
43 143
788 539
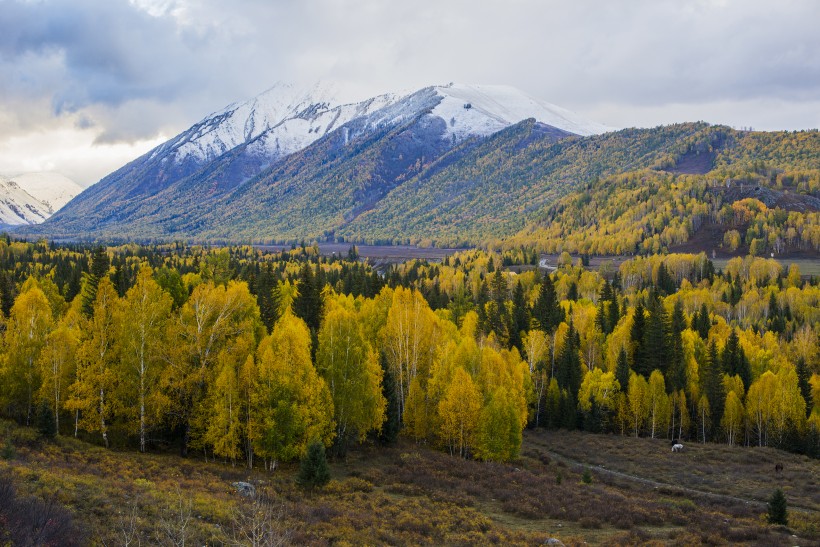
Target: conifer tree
640 359
703 323
314 472
622 370
803 376
392 420
656 339
676 378
308 303
712 379
99 269
520 318
568 364
734 361
613 311
547 312
778 508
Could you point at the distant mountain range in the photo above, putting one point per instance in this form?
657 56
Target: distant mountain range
455 165
243 155
33 197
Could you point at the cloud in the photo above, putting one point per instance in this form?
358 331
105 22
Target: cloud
128 71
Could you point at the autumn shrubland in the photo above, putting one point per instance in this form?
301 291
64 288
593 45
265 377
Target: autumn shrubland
409 494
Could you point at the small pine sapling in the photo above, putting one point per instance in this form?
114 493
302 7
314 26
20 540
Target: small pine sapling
778 513
313 470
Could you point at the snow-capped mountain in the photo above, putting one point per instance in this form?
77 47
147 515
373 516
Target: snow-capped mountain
33 197
53 189
310 144
278 122
286 118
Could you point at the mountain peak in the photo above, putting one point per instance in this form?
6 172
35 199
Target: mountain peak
30 198
505 105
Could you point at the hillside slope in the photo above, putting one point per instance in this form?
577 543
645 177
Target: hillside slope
753 192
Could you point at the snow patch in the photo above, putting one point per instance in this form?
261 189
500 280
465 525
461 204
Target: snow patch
484 109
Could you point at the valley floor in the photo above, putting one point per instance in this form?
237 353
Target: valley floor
576 487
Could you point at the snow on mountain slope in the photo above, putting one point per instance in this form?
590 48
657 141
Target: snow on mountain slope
18 206
288 118
485 109
280 121
52 189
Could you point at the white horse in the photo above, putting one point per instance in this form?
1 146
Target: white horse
677 447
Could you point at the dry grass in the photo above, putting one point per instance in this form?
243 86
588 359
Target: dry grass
409 494
741 472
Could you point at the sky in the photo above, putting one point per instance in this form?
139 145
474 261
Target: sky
88 85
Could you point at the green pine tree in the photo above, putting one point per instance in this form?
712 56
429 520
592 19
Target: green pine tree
778 512
314 471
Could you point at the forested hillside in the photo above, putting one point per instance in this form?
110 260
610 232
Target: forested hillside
720 191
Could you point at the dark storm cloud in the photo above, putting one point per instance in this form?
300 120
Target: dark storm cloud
110 52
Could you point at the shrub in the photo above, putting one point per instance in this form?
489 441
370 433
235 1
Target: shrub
8 452
45 420
313 470
778 513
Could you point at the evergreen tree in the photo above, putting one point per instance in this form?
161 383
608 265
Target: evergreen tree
568 364
640 361
734 361
622 370
99 269
803 376
572 291
313 469
392 421
546 311
481 298
8 292
656 341
569 410
676 379
776 319
712 378
520 317
614 312
777 508
666 285
703 323
268 297
601 318
44 418
308 303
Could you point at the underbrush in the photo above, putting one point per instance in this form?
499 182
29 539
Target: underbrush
403 494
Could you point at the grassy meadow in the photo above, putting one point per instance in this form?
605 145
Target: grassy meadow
576 487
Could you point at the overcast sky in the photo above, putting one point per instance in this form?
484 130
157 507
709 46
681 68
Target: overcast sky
87 85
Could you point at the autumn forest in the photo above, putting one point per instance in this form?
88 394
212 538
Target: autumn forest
246 357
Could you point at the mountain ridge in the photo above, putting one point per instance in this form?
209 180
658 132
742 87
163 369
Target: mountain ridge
247 141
